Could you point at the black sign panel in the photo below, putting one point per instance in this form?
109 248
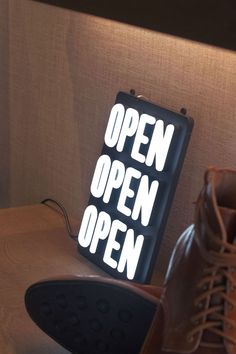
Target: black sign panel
133 186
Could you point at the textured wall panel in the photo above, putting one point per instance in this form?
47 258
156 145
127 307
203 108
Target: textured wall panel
4 105
65 70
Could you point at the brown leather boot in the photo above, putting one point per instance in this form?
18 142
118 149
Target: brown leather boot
200 298
93 315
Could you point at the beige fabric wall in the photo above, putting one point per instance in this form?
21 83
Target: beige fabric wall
4 106
65 69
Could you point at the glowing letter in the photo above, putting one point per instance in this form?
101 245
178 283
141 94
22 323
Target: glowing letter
129 127
115 179
112 244
126 192
159 145
101 230
140 138
100 176
130 254
114 125
144 200
87 226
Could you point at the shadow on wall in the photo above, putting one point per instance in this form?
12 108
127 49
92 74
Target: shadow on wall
204 21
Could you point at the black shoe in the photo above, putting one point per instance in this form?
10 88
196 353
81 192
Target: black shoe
92 315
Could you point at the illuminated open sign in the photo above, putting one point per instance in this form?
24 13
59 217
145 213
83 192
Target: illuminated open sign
132 187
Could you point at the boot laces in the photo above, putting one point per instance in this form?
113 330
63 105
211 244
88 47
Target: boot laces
217 277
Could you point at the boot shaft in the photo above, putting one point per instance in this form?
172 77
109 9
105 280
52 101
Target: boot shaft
199 299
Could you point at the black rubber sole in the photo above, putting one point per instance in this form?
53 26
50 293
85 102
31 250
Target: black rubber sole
90 316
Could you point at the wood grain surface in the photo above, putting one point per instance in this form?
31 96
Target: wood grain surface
34 245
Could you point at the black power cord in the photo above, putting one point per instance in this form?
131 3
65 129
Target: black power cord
47 202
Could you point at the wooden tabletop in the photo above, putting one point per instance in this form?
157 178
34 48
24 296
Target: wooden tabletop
34 245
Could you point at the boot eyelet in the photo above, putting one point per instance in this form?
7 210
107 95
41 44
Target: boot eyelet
194 322
200 305
230 307
229 327
189 339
